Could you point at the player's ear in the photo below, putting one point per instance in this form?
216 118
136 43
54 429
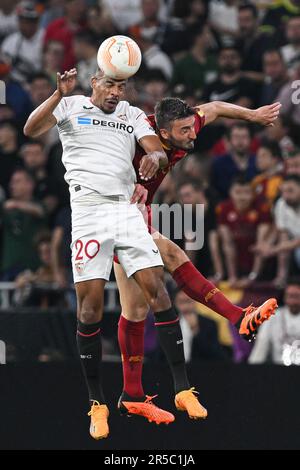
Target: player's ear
164 133
93 80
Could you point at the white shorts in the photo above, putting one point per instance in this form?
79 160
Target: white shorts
102 229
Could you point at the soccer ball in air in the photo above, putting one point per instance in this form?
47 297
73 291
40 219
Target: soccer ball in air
119 57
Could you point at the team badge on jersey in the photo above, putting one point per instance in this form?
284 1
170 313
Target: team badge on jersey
123 117
79 267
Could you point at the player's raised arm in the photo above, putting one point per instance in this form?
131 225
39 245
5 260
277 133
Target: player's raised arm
42 118
265 115
154 159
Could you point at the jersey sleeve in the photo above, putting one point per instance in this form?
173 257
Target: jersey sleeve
142 125
200 121
61 111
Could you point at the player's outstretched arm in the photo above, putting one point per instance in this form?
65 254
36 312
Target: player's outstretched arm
42 119
265 115
154 159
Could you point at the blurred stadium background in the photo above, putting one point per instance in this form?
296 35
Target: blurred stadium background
246 53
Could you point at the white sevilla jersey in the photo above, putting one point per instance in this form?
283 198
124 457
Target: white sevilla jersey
98 148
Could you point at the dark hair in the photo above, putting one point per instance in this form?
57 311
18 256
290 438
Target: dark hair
27 173
241 179
9 123
231 47
170 109
87 37
42 237
249 6
273 148
272 50
195 183
293 281
39 76
294 178
238 125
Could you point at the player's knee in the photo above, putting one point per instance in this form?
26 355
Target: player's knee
158 297
90 313
173 257
136 312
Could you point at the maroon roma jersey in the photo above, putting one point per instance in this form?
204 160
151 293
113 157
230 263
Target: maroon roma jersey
174 156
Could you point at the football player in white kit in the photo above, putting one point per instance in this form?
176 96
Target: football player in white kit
99 135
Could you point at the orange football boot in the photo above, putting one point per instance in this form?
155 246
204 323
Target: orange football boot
187 401
147 409
99 426
254 317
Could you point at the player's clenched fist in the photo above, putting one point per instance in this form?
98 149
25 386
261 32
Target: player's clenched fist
66 82
150 164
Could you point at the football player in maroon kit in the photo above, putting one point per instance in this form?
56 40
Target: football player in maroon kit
177 125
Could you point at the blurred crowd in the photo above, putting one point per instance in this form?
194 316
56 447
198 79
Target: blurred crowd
247 177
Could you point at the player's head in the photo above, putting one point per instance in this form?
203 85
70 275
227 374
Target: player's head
229 60
191 191
292 295
268 156
241 192
175 120
292 163
107 92
240 138
290 190
247 19
21 184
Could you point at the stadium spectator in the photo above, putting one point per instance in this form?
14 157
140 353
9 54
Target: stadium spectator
278 340
53 57
9 153
35 162
287 220
54 9
8 18
251 42
239 160
60 249
292 163
276 17
99 23
155 88
16 97
124 13
64 29
275 76
223 16
170 35
6 113
231 85
198 67
199 333
24 47
266 185
36 288
85 51
291 51
281 133
207 258
40 88
242 223
21 218
153 56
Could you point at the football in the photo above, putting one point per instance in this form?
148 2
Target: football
119 57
